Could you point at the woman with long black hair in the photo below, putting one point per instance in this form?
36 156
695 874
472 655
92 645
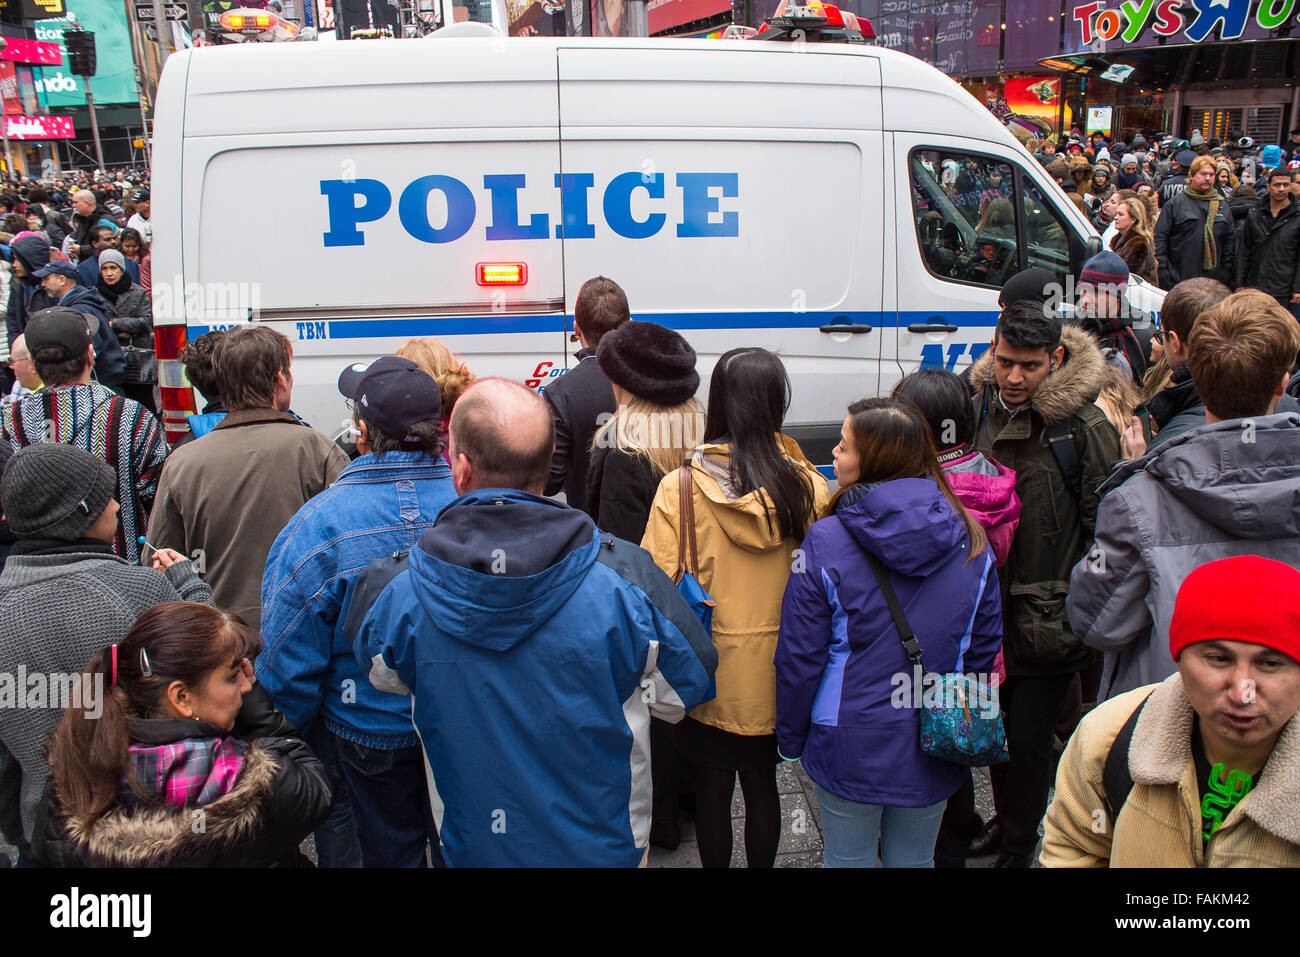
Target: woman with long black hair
754 496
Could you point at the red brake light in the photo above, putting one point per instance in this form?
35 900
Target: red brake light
501 274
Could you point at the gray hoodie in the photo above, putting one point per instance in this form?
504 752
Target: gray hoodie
56 610
1216 491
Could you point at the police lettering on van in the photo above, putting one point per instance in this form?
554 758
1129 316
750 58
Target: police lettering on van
699 211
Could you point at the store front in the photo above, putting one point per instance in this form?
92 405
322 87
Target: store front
1183 67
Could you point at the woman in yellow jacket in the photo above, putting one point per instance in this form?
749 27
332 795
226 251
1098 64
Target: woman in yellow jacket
754 496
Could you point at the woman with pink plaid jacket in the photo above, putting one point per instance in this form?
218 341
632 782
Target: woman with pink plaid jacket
189 763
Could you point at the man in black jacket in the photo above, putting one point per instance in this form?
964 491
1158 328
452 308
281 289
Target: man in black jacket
1270 243
1172 185
88 213
1185 248
582 400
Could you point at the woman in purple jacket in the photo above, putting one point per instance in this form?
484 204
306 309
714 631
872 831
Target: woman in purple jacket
845 690
988 490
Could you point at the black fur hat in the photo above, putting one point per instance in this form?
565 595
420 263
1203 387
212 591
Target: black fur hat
650 361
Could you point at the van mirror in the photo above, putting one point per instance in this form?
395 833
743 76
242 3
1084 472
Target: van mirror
1092 247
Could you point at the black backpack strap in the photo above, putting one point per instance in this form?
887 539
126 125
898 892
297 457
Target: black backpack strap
1061 439
373 580
1116 782
910 644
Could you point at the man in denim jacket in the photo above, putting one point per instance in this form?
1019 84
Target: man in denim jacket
379 505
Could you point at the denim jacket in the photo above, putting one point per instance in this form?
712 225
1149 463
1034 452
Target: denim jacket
378 505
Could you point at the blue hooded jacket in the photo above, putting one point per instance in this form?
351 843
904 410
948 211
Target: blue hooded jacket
845 698
536 647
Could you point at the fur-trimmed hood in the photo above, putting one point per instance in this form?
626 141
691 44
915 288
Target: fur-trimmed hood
1064 392
156 835
1162 747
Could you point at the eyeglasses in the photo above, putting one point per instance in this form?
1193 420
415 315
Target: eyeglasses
1159 336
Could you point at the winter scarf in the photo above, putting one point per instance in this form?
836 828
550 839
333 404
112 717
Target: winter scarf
1210 250
119 288
190 772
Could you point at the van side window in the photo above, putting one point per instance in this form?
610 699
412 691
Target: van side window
1047 243
965 211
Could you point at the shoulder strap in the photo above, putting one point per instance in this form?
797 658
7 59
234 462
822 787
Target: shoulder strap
910 644
1116 782
1061 438
369 584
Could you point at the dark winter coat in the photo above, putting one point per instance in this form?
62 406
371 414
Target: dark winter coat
1056 526
26 295
620 489
1269 258
839 705
1137 255
131 316
82 225
1179 244
581 401
280 795
1171 187
110 363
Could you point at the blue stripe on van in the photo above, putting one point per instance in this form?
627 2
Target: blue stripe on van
499 325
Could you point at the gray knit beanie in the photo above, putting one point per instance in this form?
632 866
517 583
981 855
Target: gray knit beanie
51 490
114 257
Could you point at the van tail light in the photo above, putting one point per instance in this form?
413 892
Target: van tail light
176 394
501 274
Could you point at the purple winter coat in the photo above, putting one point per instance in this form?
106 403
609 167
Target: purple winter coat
843 681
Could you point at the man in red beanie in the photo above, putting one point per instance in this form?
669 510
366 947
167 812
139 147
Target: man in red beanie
1212 750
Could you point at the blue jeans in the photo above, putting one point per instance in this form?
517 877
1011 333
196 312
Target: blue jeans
336 840
853 832
390 805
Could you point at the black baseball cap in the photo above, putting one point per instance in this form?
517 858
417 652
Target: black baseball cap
392 393
1185 158
59 328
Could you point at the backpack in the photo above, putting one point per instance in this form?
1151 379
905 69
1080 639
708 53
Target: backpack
1116 781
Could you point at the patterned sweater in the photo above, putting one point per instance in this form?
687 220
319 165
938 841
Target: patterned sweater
118 430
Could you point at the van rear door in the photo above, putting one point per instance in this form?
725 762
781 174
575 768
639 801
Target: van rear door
356 216
737 197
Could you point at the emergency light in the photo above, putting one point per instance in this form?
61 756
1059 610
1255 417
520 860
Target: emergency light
501 274
248 21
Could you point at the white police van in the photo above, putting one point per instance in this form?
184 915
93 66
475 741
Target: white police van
847 206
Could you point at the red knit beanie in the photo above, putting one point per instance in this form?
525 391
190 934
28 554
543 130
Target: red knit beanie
1247 598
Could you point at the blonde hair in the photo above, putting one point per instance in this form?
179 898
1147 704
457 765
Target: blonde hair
664 434
1141 214
452 375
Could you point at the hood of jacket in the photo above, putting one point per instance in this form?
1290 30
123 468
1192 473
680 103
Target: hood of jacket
82 296
743 519
33 253
499 563
987 488
1064 392
1246 489
155 833
1178 397
907 524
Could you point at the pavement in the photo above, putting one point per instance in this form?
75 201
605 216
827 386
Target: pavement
801 826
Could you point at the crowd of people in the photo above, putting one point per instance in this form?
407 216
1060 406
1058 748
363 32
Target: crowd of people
1177 209
82 242
407 645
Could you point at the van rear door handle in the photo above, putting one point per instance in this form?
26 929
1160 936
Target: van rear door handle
855 328
931 327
